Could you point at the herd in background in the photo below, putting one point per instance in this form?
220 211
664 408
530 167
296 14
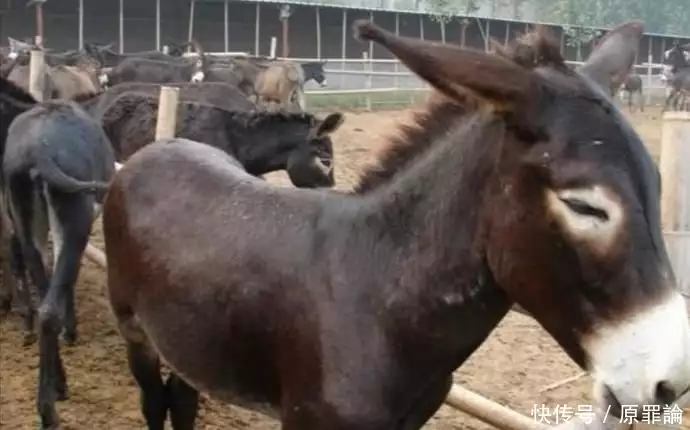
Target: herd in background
675 76
98 67
248 262
99 108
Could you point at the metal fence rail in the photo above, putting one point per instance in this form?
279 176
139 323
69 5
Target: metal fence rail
380 83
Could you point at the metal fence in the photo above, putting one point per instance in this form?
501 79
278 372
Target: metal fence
386 83
383 84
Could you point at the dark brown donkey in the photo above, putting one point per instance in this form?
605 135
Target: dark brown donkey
343 312
614 55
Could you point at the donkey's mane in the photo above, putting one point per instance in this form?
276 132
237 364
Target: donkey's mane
533 49
14 93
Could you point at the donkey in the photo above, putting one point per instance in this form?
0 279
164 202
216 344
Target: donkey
13 102
262 141
212 93
614 55
134 69
679 81
632 86
56 153
355 316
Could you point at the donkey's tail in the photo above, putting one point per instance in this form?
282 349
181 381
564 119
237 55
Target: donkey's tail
50 172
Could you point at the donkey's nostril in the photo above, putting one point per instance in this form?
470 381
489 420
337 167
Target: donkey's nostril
664 394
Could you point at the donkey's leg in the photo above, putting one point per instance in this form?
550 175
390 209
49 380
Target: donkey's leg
8 288
144 364
670 97
183 401
69 216
428 404
20 205
41 228
18 273
641 96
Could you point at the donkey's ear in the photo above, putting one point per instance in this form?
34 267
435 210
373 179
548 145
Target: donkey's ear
456 71
329 124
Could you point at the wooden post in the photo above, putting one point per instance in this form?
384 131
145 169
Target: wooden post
421 27
226 33
167 113
368 68
158 25
487 36
274 47
38 9
396 65
81 24
506 40
343 47
675 175
285 13
37 74
96 255
318 33
371 43
463 31
257 28
489 411
121 25
39 23
190 31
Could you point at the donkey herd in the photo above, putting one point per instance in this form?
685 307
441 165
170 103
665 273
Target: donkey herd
329 309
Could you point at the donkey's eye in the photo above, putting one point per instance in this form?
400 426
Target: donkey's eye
583 208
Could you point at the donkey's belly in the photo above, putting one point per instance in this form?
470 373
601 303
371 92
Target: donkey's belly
230 361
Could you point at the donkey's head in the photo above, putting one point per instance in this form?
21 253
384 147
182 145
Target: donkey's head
310 164
569 220
677 57
297 142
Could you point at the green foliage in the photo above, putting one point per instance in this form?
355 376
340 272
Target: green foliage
665 17
446 10
579 16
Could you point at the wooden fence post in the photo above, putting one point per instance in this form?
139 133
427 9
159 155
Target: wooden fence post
167 112
675 175
368 67
489 411
37 74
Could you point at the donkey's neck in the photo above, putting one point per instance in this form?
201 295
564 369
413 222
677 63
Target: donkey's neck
443 292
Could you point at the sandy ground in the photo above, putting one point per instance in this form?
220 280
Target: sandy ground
517 360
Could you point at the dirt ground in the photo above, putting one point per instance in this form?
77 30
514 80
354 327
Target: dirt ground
511 367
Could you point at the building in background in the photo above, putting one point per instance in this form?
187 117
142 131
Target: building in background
316 29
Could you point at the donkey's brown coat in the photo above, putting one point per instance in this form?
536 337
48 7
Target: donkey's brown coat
351 311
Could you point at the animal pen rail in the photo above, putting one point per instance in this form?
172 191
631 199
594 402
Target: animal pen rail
372 84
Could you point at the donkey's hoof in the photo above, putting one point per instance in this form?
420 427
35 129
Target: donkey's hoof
5 307
54 424
70 338
29 339
62 395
